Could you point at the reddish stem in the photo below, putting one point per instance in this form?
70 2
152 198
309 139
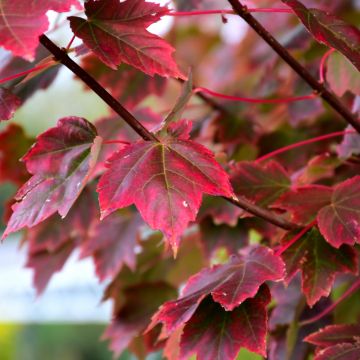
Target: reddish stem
70 43
227 12
116 142
24 73
305 142
323 63
255 101
329 309
295 238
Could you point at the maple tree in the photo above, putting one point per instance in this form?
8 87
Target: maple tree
246 222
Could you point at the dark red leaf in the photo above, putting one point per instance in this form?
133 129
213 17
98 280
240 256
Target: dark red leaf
22 22
165 181
261 183
287 301
229 284
127 84
140 303
335 334
13 145
215 334
8 104
214 237
330 30
61 163
46 263
54 232
339 222
112 243
340 352
319 263
116 32
304 202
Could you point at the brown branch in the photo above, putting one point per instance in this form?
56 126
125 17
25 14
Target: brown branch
62 56
319 88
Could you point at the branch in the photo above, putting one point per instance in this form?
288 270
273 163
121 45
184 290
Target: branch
327 95
62 56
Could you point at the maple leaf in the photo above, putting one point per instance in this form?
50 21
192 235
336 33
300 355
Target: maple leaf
112 243
127 84
215 334
8 104
13 145
304 202
22 22
61 163
116 32
55 232
330 30
340 352
140 303
214 237
46 263
339 221
165 180
261 183
229 285
319 263
335 334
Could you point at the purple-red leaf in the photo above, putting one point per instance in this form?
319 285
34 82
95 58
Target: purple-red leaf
330 30
215 334
8 104
54 232
116 32
13 145
22 22
261 183
229 284
214 237
139 304
165 180
340 352
61 162
46 263
304 202
335 334
112 243
339 222
319 263
127 84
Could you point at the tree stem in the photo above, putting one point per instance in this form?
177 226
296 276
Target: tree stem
327 95
62 56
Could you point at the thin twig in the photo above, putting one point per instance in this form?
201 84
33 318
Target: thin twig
326 94
62 56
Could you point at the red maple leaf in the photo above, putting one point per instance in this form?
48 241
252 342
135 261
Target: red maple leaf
116 32
22 22
213 333
165 180
61 163
319 262
229 285
330 30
